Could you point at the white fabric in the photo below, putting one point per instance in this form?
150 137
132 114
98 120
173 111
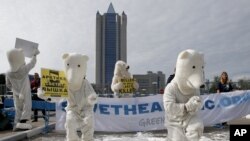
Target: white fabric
19 83
193 104
123 114
223 107
75 68
16 59
81 98
189 71
181 97
109 113
80 112
174 104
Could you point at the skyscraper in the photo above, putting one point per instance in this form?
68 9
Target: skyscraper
111 45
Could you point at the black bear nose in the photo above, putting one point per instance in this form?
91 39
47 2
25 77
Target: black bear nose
127 67
202 86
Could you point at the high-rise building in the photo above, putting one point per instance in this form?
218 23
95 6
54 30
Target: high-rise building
150 83
111 38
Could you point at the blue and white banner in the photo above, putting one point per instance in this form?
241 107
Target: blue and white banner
147 113
224 107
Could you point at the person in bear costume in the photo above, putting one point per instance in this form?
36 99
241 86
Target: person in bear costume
17 79
181 98
81 99
121 72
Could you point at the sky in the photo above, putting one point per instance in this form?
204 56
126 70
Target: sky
157 31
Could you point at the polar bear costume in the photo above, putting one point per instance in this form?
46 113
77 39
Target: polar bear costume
81 100
181 98
17 79
121 72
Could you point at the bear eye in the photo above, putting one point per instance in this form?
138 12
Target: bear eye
193 67
79 66
68 64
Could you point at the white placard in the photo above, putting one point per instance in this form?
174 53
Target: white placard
28 47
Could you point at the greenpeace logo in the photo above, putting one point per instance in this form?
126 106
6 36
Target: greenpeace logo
145 122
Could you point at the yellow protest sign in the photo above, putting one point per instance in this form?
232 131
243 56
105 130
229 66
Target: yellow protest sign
54 83
128 86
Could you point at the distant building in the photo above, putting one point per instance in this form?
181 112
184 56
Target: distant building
150 83
2 84
111 45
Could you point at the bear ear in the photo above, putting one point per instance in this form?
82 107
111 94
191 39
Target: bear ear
85 57
184 55
202 55
65 55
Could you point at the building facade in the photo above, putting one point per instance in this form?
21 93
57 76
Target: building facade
151 83
111 45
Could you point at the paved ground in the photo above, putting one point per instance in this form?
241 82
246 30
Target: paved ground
37 134
38 127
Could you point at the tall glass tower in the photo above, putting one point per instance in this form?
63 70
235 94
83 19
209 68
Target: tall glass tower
111 38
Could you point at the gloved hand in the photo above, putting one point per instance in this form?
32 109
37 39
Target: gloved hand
21 96
120 85
87 119
193 104
136 85
92 99
36 52
40 93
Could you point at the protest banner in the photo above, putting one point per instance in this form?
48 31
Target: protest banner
147 113
29 48
128 86
54 83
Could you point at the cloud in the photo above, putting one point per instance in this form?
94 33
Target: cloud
157 31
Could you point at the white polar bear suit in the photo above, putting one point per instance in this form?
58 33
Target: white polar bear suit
121 71
17 80
81 99
181 98
80 113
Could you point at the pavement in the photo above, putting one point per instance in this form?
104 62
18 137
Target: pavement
240 121
38 128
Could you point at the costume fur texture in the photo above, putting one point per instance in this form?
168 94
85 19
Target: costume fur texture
121 72
81 100
181 98
17 79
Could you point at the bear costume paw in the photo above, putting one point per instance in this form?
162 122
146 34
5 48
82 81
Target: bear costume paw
21 96
24 126
193 104
92 99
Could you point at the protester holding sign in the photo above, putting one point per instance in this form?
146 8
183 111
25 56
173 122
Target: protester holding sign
123 84
18 81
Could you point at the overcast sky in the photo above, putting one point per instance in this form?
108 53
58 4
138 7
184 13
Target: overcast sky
157 31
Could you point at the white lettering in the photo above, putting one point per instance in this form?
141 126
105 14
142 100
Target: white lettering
240 132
